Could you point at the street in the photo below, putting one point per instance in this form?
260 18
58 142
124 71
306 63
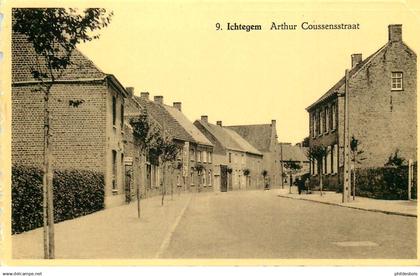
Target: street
258 224
243 224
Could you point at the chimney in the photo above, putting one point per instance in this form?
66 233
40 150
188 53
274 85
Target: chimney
273 123
144 96
178 105
204 118
355 59
158 99
130 91
395 32
219 123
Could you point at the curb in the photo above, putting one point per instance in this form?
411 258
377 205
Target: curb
352 207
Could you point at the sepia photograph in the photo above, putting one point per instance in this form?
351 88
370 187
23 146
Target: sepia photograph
209 133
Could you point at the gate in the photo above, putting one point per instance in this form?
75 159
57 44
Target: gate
223 178
128 166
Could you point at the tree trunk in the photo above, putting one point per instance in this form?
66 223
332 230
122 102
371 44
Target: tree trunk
47 185
172 185
320 177
163 184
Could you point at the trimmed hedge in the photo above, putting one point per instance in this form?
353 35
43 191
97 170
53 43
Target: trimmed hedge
76 193
384 183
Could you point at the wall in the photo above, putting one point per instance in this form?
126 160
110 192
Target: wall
388 122
114 141
78 136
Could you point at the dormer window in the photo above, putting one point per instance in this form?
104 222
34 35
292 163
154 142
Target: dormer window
396 81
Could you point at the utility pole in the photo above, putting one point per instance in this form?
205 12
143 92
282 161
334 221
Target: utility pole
410 177
281 166
347 169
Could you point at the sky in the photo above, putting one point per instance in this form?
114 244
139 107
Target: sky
173 49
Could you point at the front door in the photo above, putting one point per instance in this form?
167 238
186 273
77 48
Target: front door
223 178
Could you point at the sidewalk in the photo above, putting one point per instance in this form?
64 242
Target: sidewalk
396 207
111 233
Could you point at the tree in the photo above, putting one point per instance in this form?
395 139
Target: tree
264 174
154 142
146 134
199 169
247 172
54 34
317 154
167 151
394 160
356 158
293 167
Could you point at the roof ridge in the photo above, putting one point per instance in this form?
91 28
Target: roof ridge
353 71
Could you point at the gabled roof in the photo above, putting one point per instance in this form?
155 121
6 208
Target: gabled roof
294 153
174 122
187 126
336 87
259 136
228 139
25 60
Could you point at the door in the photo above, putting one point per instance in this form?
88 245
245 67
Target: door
223 178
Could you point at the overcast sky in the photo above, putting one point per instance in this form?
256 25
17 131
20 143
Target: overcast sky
174 50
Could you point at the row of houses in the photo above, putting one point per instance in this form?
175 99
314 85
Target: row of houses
90 130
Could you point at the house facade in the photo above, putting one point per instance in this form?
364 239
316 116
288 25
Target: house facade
194 165
87 118
242 161
382 97
263 137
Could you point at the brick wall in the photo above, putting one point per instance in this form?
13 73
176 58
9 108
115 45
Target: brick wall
384 120
78 136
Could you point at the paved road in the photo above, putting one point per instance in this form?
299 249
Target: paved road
258 224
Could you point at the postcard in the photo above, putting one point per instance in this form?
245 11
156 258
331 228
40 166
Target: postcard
202 133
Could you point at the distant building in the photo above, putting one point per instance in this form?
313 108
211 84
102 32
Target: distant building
295 154
264 138
196 151
382 91
233 152
87 118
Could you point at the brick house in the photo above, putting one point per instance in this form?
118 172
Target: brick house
382 92
86 107
196 151
233 151
264 138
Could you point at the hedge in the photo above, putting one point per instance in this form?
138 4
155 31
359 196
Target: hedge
384 183
76 193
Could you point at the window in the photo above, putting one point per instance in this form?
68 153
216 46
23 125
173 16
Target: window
199 156
334 116
192 157
396 81
114 170
324 121
210 180
122 116
205 156
328 160
327 119
210 157
335 159
313 125
230 157
321 122
114 110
